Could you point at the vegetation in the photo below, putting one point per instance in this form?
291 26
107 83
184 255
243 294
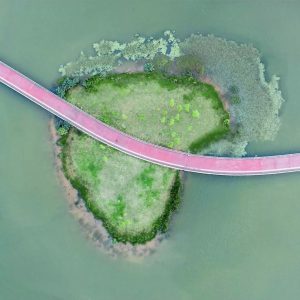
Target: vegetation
238 70
65 84
255 102
169 111
148 67
62 126
110 54
188 64
134 199
165 105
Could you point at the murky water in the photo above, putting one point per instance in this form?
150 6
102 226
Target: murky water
233 238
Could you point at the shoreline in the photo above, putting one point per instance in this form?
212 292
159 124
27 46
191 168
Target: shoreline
206 79
92 228
222 96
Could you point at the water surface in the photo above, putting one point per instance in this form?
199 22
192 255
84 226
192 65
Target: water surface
233 238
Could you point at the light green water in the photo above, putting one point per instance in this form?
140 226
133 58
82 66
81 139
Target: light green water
233 238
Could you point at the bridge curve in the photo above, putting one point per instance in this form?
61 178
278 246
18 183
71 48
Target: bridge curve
140 149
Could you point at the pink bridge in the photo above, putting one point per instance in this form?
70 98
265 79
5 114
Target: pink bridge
140 149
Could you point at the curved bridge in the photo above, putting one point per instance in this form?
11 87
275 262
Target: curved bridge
140 149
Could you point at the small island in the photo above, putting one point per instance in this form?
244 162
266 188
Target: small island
134 198
173 94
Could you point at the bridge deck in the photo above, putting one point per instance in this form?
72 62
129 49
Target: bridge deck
140 149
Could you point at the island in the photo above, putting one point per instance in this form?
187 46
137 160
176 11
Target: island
202 95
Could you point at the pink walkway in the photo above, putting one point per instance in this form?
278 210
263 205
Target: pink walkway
132 146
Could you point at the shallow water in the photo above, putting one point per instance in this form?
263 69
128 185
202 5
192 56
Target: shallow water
233 238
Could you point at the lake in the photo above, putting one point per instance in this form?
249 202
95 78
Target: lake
233 238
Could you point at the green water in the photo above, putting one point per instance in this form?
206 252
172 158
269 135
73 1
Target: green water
233 238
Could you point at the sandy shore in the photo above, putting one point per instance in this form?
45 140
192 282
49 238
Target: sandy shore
93 228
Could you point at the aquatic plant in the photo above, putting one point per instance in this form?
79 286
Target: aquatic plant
148 67
168 111
105 47
188 65
110 54
65 84
238 70
91 65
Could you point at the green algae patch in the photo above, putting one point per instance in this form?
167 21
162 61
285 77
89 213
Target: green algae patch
133 198
175 112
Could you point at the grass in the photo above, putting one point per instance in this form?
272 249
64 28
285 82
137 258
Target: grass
170 111
133 198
